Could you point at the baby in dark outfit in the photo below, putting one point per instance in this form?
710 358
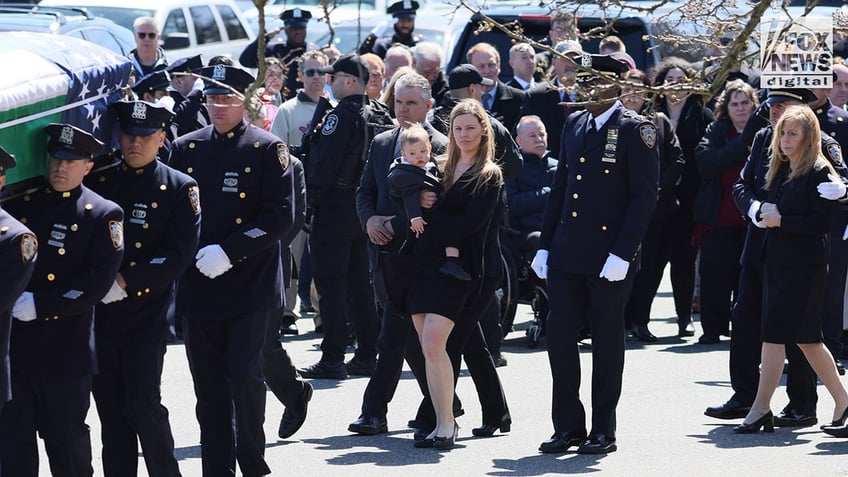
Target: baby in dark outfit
411 173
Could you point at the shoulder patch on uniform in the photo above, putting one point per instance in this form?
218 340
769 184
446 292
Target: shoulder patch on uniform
116 232
330 124
194 198
29 247
648 134
283 155
835 153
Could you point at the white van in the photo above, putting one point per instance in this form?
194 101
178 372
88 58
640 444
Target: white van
189 27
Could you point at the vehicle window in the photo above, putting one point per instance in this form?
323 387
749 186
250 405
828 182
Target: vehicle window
103 38
204 25
175 23
121 15
235 31
75 34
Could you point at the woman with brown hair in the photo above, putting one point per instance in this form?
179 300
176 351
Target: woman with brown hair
795 257
436 301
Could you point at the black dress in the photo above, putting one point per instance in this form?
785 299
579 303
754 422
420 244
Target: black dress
795 259
462 219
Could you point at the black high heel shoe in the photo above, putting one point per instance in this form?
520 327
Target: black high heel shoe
488 430
766 422
839 422
446 443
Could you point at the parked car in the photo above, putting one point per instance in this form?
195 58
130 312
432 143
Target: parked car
189 27
68 22
634 31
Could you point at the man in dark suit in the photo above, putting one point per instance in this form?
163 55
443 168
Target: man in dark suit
542 99
385 228
246 183
18 249
52 346
522 60
190 114
504 102
599 208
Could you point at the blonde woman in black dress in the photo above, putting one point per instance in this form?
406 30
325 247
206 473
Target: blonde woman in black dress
472 183
795 256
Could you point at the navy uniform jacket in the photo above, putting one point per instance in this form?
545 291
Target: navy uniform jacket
337 159
246 189
749 187
834 122
601 201
288 55
527 194
190 114
18 249
81 244
383 44
373 197
161 228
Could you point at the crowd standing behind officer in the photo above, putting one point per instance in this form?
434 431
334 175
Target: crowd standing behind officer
147 56
236 281
18 250
162 210
52 346
295 21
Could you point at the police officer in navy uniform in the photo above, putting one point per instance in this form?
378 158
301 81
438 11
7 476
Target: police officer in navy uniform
190 114
294 21
162 210
745 344
18 249
598 210
52 347
403 12
236 281
338 245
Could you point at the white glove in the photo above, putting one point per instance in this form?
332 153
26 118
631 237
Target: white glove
24 308
833 190
540 264
615 269
116 293
212 261
752 214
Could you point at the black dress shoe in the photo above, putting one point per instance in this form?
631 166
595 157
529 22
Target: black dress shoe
361 367
709 338
499 361
839 422
295 415
453 269
561 441
420 439
369 425
766 422
840 368
686 329
488 430
322 370
791 418
841 431
643 333
446 442
730 410
288 327
597 444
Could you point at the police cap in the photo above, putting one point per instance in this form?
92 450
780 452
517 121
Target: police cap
156 81
606 65
779 95
236 78
403 9
463 76
189 64
351 64
140 118
295 18
7 161
68 142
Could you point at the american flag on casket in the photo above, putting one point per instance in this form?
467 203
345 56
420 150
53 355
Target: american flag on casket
52 78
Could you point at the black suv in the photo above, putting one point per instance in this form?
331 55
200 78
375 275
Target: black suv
635 32
72 22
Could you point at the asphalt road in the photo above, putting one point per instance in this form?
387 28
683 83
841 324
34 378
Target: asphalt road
661 427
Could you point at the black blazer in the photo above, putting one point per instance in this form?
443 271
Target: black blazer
714 155
507 105
543 101
802 238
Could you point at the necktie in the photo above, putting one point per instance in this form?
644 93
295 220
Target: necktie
591 127
487 101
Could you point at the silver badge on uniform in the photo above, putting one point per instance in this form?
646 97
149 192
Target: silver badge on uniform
139 110
230 182
330 125
219 73
67 135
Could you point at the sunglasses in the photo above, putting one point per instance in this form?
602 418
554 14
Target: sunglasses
312 72
142 34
